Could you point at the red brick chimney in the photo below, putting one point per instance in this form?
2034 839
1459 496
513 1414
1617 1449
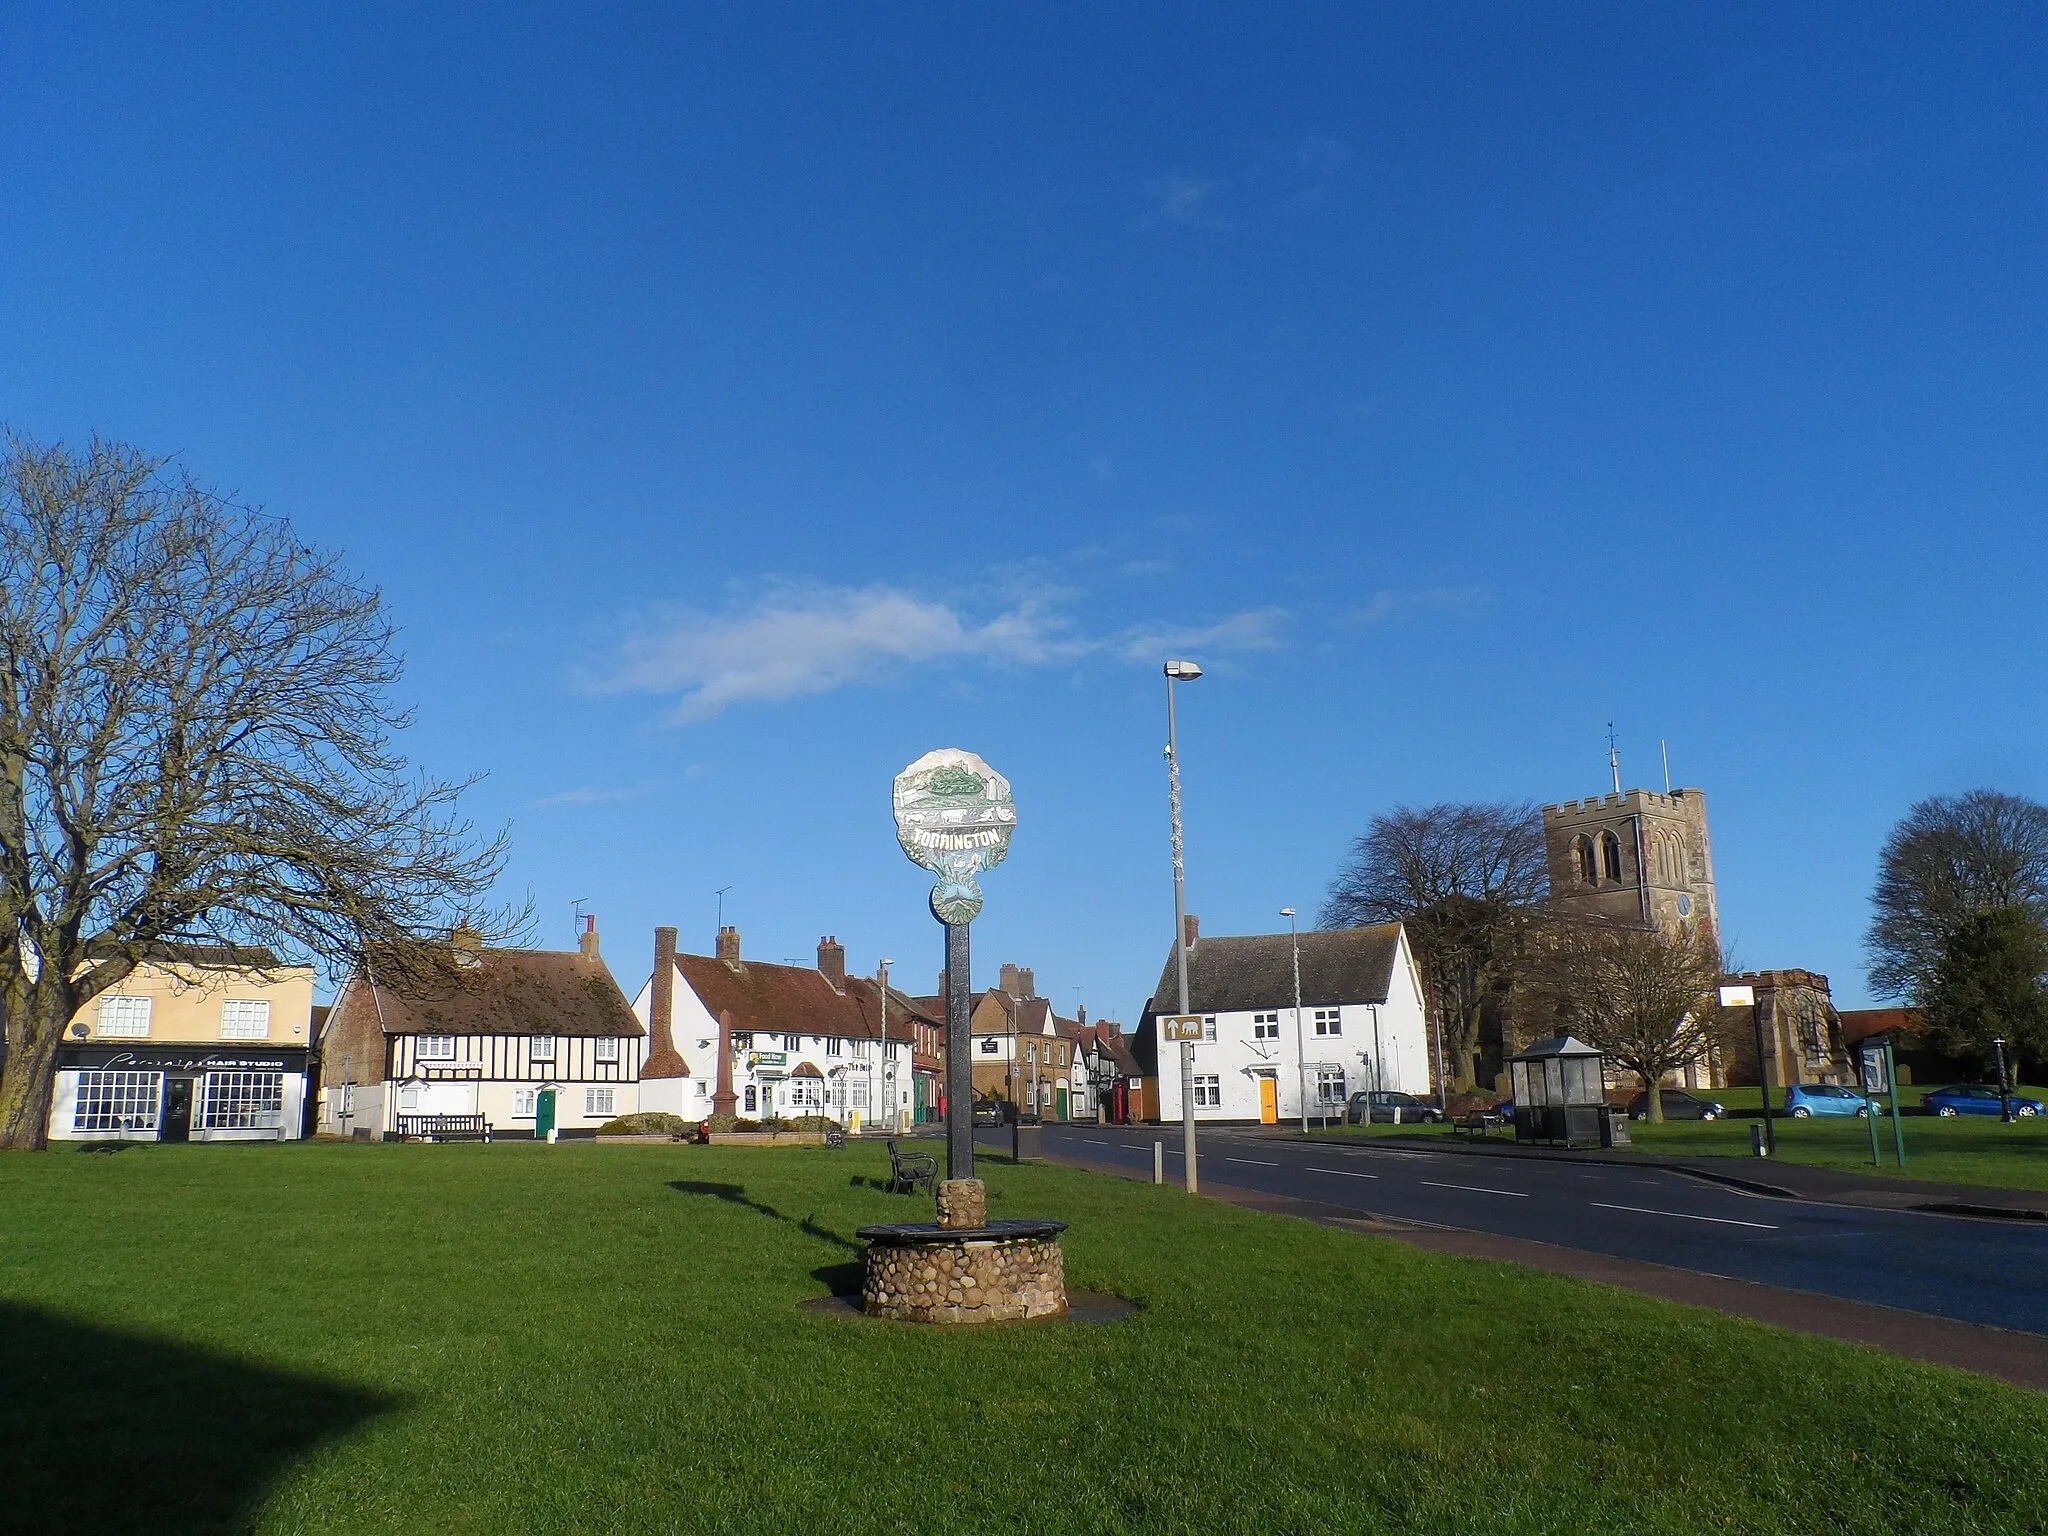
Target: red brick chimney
1192 931
1009 981
728 945
832 961
586 941
662 1058
1027 981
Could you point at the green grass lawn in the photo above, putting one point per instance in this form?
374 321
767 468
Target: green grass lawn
519 1338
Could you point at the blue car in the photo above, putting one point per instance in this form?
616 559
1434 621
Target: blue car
1805 1100
1976 1099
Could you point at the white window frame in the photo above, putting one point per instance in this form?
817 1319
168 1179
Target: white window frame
1208 1090
541 1047
434 1047
1329 1086
1265 1026
117 1101
605 1050
600 1101
522 1103
243 1100
123 1016
245 1018
1329 1022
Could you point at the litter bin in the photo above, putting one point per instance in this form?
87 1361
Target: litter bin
1027 1141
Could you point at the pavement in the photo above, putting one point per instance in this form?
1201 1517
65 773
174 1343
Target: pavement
1830 1257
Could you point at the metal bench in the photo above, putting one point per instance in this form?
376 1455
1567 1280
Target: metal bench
443 1128
1479 1122
911 1171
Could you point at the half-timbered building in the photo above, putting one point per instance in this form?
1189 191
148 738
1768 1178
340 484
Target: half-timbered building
522 1041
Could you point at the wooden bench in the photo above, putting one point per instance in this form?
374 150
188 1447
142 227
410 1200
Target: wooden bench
1479 1122
443 1128
910 1171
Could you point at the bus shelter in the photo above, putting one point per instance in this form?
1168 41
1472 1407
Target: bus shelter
1561 1095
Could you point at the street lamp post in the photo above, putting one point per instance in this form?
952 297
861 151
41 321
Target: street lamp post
2004 1088
888 1123
1181 672
1300 1051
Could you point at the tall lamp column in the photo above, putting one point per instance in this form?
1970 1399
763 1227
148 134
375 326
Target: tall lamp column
1300 1052
1181 672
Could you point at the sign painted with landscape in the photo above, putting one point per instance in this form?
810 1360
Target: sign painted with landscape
954 817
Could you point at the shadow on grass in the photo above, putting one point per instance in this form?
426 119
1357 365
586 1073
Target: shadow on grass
734 1194
111 1432
840 1279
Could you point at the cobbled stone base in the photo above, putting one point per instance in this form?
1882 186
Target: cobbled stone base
977 1277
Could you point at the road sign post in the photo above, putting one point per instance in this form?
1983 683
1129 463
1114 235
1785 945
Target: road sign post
1871 1074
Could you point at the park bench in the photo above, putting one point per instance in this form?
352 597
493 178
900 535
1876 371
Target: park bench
910 1171
443 1128
1479 1122
835 1137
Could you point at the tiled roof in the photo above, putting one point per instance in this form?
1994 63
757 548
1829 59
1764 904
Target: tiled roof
509 992
1231 975
1859 1024
796 1000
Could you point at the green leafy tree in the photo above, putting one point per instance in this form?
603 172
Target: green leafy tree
1990 981
1950 857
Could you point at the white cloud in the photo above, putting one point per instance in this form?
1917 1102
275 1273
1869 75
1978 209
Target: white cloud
796 641
595 794
1392 607
1184 200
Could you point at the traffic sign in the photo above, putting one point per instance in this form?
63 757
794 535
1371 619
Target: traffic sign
1185 1027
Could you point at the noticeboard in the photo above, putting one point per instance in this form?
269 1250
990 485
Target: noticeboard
1870 1065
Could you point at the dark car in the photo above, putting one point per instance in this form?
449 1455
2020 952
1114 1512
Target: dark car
1678 1105
991 1112
1379 1106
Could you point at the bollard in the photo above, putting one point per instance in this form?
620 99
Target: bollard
1158 1162
1756 1141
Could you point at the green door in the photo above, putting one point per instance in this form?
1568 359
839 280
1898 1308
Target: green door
1063 1103
543 1113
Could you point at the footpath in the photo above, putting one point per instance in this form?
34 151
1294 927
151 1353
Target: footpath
1763 1176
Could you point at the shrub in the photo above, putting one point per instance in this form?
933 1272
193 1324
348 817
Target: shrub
649 1122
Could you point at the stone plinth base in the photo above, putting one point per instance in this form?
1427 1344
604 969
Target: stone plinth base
1004 1272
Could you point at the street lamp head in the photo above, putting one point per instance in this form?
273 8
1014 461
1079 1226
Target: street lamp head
1183 671
887 962
1287 911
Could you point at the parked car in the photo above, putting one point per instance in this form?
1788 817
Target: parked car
1678 1105
1976 1099
1379 1106
1805 1100
991 1112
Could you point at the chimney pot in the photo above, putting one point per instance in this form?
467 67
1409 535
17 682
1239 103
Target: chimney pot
586 942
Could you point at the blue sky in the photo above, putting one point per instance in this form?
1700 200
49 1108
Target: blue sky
735 403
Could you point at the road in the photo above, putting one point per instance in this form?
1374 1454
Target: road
1975 1271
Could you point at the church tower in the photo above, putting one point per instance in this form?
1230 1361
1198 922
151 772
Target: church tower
1633 857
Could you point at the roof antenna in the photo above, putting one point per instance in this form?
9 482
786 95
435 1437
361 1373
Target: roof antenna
720 893
1666 747
576 911
1613 757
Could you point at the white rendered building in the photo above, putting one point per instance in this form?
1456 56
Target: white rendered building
1361 1024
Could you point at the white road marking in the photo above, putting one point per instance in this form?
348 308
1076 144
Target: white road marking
1343 1173
1255 1162
1477 1189
1726 1221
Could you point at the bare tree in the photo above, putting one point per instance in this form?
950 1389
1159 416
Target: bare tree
1464 879
1951 857
1646 998
195 748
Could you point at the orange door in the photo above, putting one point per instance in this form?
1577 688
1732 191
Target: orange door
1269 1101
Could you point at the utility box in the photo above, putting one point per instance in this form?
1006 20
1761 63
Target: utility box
1027 1141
